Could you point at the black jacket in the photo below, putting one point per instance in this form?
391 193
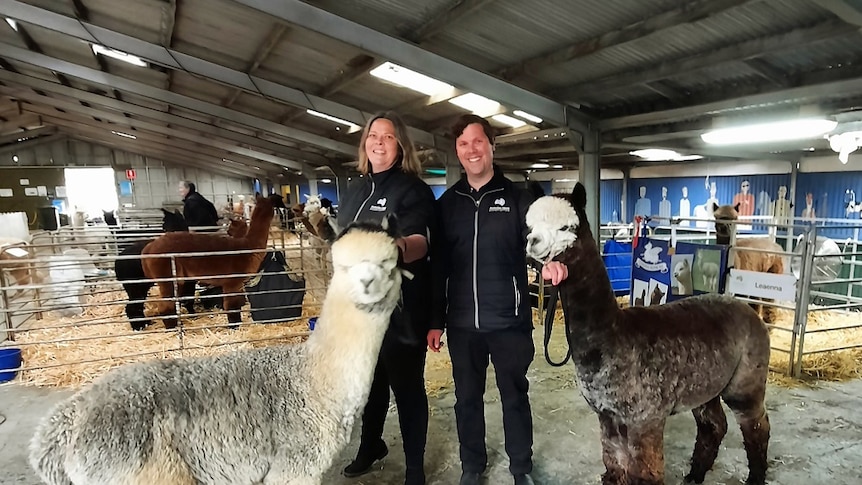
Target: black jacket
479 256
198 211
411 200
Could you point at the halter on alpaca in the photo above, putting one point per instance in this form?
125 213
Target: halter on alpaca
636 366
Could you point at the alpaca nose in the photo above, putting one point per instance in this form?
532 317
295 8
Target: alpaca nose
532 240
366 281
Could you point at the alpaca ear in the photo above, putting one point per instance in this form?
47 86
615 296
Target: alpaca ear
390 225
736 207
165 211
714 207
579 196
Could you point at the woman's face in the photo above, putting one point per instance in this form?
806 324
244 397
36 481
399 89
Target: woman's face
381 145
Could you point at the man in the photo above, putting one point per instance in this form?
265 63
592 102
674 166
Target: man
196 209
481 299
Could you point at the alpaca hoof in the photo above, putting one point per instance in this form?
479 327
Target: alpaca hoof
170 323
692 478
138 326
751 480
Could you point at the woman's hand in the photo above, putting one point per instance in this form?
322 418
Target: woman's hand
555 271
434 339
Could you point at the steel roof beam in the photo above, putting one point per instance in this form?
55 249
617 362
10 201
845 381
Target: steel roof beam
188 148
411 56
154 114
177 60
733 53
688 13
29 134
165 96
443 20
51 104
843 10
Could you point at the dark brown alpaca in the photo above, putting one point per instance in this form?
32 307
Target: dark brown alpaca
749 260
209 269
638 365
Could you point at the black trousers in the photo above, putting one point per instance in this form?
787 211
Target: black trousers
511 352
401 367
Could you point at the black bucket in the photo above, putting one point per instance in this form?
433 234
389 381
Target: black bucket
49 218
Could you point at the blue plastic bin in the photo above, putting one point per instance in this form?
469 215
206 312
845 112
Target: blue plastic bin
9 359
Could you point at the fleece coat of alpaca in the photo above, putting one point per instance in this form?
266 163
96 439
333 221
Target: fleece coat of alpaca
276 415
213 269
750 260
638 365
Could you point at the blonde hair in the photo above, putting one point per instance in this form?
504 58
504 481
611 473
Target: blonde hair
407 152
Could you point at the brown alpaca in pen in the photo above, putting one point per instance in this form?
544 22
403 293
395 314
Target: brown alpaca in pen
637 366
211 268
749 260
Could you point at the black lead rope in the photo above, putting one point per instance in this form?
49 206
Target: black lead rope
549 326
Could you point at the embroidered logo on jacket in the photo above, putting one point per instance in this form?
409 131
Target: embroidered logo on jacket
499 206
380 206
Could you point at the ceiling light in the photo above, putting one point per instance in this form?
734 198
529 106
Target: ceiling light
565 180
353 126
436 171
478 105
14 158
410 79
508 120
119 55
12 23
556 166
527 116
124 135
661 155
326 181
539 165
766 132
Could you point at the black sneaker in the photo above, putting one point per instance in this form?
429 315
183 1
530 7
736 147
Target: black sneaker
469 478
364 461
414 477
523 479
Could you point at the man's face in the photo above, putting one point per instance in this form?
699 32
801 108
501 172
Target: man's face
474 151
183 190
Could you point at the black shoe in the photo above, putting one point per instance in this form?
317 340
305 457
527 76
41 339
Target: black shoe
524 479
414 477
469 478
365 460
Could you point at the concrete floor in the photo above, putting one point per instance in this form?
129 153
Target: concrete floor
815 436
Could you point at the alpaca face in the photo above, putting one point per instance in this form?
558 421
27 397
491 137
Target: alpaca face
312 204
724 213
369 261
682 270
553 225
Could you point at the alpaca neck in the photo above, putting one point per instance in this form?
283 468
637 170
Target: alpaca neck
587 296
258 231
342 350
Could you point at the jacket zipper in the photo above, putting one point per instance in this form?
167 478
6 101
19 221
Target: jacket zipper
476 252
362 206
517 295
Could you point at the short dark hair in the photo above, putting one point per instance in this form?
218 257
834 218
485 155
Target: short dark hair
465 120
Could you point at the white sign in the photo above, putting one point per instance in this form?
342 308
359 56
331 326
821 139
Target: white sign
765 285
6 193
60 190
24 181
31 191
43 190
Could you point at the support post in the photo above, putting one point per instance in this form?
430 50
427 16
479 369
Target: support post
589 171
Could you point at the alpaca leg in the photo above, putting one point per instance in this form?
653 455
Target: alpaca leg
165 306
613 448
711 428
137 292
646 447
745 395
187 291
232 305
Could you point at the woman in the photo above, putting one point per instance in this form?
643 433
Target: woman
390 183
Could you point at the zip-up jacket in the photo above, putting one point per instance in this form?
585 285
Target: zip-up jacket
410 199
479 256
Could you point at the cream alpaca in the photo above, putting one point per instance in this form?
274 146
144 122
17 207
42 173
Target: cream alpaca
276 415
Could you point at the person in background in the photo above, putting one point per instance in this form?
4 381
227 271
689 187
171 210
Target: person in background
481 299
390 184
196 209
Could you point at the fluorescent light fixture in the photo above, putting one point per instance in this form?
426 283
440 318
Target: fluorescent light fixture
478 105
527 116
565 180
229 161
765 132
326 181
12 23
539 165
119 55
508 120
660 155
124 135
410 79
353 126
556 166
436 171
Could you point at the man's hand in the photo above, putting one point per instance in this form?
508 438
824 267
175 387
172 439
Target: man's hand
434 339
555 271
